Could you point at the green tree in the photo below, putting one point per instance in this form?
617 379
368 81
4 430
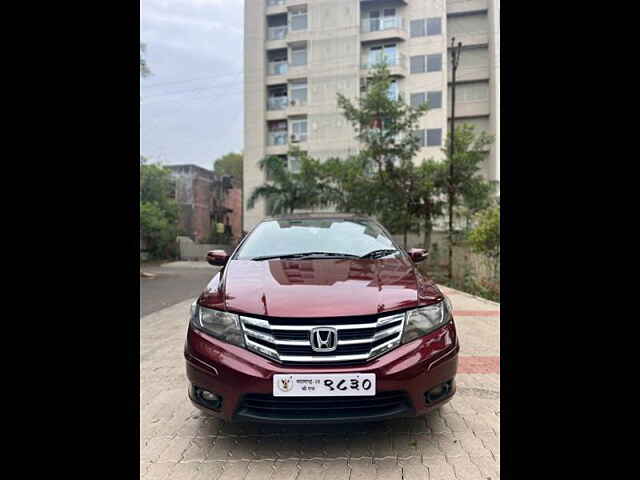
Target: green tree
285 190
485 237
469 188
158 210
229 164
384 127
429 205
352 184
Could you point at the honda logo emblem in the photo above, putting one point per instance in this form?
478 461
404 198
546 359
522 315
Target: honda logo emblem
324 339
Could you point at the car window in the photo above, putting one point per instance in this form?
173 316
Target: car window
283 237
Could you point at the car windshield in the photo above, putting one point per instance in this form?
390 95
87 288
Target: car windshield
337 236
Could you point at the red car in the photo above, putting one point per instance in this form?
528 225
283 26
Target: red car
320 319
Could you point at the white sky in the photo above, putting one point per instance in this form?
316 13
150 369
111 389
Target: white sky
191 108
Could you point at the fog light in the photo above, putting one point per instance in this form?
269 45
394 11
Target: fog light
208 396
438 392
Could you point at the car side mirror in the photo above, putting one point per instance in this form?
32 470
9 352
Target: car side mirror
418 254
217 258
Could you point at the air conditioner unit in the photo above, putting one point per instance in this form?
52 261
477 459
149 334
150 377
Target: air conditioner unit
295 138
293 103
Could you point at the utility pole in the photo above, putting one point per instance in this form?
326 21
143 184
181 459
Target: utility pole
455 59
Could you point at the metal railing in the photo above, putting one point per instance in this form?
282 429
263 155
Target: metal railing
277 138
382 24
277 33
397 60
278 68
277 103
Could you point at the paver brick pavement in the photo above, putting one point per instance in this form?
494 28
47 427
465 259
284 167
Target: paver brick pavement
459 441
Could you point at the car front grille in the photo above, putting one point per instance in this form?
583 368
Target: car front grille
269 408
289 340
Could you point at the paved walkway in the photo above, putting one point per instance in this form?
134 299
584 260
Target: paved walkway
461 441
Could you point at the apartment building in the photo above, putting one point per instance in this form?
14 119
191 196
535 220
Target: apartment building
300 53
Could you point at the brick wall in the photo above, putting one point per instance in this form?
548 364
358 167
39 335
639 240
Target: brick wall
233 201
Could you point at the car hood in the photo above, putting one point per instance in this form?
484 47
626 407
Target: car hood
319 287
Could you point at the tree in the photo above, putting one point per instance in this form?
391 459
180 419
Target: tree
485 237
229 164
384 126
430 204
351 184
285 190
158 210
144 69
469 188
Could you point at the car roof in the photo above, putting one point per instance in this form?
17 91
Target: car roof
319 216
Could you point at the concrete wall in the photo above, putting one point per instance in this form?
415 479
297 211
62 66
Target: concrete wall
188 250
478 266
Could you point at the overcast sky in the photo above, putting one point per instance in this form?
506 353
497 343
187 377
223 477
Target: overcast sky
191 107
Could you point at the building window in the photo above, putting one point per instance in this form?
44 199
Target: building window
417 64
298 90
383 53
298 55
277 132
294 164
277 97
298 18
434 137
273 3
277 27
277 62
428 63
426 26
393 92
434 26
434 62
417 99
434 99
419 134
299 130
417 28
378 20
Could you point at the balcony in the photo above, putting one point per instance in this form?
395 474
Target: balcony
277 33
371 3
277 138
277 103
385 28
278 68
397 64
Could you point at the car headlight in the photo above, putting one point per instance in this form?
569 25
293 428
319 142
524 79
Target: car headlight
424 320
224 326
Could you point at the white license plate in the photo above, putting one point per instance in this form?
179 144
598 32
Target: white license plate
324 385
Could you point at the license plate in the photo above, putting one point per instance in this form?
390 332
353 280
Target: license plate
324 385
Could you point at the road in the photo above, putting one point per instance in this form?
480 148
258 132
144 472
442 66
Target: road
172 283
460 441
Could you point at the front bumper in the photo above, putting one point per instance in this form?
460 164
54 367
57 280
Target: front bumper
244 380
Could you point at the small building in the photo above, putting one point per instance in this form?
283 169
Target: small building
209 205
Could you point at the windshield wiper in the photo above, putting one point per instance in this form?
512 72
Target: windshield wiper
379 253
307 254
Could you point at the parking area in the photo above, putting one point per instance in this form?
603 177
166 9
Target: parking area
460 441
